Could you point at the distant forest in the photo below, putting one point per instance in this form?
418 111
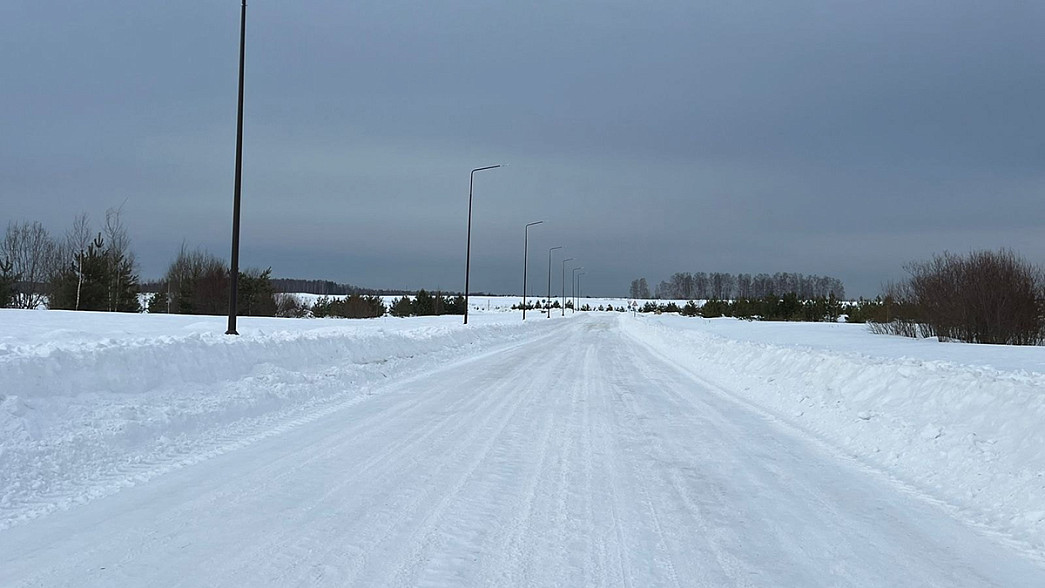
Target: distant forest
329 288
720 286
319 287
326 288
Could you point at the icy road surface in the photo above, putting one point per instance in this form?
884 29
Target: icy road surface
576 458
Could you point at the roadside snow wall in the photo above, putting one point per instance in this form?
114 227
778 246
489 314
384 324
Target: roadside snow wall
970 437
79 420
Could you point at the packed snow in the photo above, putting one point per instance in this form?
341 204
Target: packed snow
600 449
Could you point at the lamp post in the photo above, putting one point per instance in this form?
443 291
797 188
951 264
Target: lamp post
573 284
234 272
577 300
548 300
564 284
526 250
468 251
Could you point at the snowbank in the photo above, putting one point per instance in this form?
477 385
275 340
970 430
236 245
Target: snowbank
963 424
91 402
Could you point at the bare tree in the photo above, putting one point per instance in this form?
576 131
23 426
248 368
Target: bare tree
744 286
76 241
198 282
682 285
639 289
663 290
119 252
34 257
700 286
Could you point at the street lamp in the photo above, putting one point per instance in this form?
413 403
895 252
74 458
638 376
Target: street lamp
564 285
573 284
468 252
548 300
526 249
576 301
234 272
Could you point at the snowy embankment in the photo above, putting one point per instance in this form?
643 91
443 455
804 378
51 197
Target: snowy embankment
92 402
962 424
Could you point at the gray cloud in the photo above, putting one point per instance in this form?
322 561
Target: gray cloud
820 137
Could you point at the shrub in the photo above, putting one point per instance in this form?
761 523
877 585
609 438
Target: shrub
401 307
714 308
198 283
453 304
985 297
289 306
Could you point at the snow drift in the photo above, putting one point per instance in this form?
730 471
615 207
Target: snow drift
971 435
82 415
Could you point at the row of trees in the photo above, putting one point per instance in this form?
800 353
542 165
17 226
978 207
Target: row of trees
326 288
722 286
88 270
197 282
84 270
788 307
427 304
352 306
983 297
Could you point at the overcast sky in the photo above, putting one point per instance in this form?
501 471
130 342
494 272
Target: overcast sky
836 138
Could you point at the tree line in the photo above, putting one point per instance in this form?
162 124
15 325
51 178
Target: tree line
788 307
96 270
85 269
983 297
994 297
327 288
723 286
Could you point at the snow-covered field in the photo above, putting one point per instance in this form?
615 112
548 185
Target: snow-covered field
97 405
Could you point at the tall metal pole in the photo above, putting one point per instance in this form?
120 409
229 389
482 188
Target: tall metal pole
468 252
234 271
548 300
564 284
578 299
526 249
573 284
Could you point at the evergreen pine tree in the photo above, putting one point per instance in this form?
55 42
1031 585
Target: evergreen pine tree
402 307
424 305
123 285
82 285
8 279
453 305
255 295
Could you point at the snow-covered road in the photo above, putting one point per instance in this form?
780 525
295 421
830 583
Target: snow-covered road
576 457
